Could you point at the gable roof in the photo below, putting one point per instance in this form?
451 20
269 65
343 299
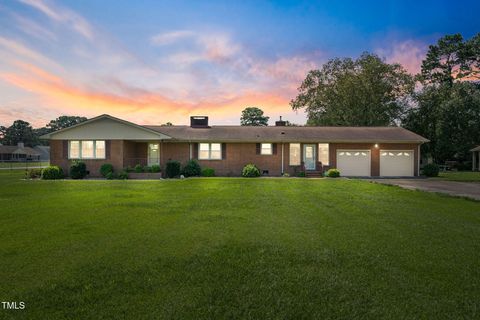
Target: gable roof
106 117
290 134
475 149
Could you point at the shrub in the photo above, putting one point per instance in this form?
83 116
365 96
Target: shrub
250 170
129 169
301 174
110 176
208 172
33 174
138 168
333 173
172 169
105 169
191 169
78 170
286 174
123 175
52 173
147 169
430 170
155 168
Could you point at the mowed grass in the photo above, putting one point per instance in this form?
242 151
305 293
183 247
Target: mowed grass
20 165
462 176
236 249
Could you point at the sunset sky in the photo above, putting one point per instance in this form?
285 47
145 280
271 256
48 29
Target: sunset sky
156 61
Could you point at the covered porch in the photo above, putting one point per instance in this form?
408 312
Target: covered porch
144 153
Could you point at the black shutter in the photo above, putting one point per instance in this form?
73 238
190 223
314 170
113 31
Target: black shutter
108 144
258 148
65 149
224 151
195 151
274 148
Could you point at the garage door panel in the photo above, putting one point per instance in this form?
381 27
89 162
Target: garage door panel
396 163
354 162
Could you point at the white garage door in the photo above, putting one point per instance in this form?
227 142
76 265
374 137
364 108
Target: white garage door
353 162
395 163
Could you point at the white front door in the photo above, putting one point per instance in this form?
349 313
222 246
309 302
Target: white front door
354 163
395 163
309 156
153 154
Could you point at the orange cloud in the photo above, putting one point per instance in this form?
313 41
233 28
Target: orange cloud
133 103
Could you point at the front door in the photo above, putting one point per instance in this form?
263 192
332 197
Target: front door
309 156
153 154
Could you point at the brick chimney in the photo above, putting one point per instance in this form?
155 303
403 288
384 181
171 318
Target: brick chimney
280 123
199 122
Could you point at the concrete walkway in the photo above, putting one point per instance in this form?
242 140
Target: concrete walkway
462 189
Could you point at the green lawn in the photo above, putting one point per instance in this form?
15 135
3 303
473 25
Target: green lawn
236 248
24 164
465 176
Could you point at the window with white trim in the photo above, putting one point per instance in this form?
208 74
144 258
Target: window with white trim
209 151
294 154
266 149
86 149
323 153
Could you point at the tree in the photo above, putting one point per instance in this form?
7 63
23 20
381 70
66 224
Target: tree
63 122
253 116
19 131
451 58
362 92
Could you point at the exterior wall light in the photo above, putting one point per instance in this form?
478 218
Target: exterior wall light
376 145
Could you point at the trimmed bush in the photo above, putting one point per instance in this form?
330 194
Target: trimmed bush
191 169
105 169
138 168
155 168
33 174
333 173
301 174
110 176
172 169
250 171
431 170
123 175
208 172
52 173
78 170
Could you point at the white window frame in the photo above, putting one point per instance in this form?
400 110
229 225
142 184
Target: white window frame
80 157
209 151
325 163
299 154
269 150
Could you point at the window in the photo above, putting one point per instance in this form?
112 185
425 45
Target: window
210 151
294 154
88 149
74 150
323 153
266 149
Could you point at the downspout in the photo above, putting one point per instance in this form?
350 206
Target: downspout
282 159
190 150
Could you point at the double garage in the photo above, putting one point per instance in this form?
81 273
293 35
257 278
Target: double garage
391 163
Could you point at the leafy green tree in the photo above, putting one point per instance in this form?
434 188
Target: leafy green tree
253 116
362 92
19 131
63 122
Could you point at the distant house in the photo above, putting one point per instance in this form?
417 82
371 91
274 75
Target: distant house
44 152
279 149
18 153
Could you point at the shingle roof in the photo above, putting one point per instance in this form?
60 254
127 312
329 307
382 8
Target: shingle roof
290 134
18 150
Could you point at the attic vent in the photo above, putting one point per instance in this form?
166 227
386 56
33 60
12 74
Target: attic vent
199 122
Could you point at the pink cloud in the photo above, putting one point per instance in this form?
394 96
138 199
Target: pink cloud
409 54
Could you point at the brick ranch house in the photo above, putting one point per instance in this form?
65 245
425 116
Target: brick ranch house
355 151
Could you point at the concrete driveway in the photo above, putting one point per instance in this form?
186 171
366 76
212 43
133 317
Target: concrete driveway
463 189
